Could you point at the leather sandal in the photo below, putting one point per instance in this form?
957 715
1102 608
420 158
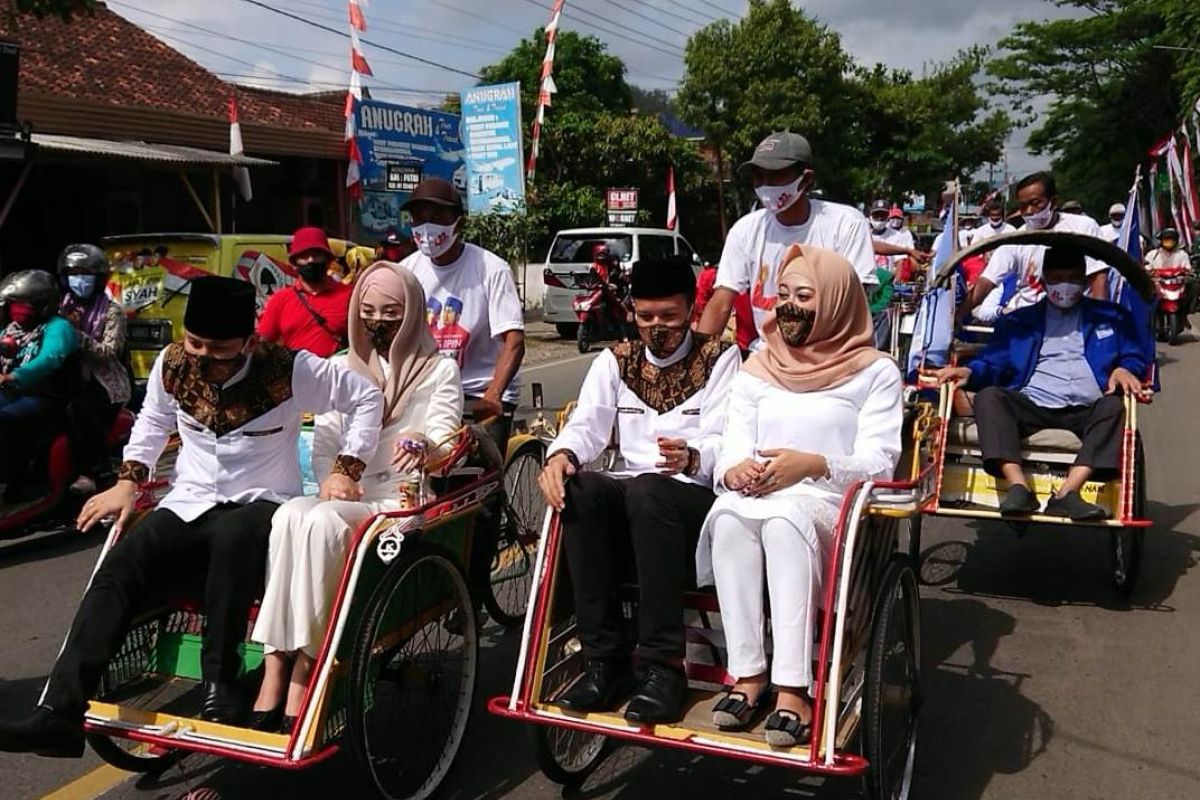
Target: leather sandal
784 729
735 712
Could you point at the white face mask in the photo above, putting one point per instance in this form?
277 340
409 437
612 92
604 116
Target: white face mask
1064 295
778 199
997 224
896 223
878 225
434 240
1041 220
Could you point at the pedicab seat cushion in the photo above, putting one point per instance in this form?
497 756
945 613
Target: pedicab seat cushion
964 432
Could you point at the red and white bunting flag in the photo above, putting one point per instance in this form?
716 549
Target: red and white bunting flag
357 20
546 90
672 218
358 69
241 175
1191 196
358 62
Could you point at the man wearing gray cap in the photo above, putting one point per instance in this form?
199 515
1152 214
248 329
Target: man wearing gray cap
1116 218
782 172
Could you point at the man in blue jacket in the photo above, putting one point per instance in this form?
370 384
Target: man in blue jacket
1061 363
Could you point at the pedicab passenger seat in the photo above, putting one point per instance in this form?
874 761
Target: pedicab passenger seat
1051 445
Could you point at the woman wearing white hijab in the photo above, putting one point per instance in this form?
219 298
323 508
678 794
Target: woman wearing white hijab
390 343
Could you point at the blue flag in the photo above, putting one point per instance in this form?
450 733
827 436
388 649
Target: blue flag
1121 293
933 332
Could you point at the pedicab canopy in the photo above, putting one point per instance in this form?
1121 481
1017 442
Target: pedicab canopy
220 308
1134 273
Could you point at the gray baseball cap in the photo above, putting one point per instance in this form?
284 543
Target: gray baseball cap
779 151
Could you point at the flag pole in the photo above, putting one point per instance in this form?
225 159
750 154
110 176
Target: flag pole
546 91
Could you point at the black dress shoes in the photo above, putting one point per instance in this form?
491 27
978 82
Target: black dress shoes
659 697
46 733
267 721
222 703
603 686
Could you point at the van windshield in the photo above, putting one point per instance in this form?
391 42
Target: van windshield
578 248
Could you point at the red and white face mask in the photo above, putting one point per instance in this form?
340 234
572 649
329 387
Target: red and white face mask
434 240
778 199
1064 295
22 313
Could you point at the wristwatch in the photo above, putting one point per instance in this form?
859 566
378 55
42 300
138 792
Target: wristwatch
693 462
569 456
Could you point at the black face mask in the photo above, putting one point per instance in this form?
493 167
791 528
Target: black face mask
795 323
382 332
216 370
662 340
313 272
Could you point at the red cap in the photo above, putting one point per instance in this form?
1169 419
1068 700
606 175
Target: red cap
311 238
895 213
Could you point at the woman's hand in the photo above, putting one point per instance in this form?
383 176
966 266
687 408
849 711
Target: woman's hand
410 451
740 477
786 468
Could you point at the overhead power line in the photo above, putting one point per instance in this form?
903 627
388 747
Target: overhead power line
648 18
706 18
408 31
676 51
345 35
726 12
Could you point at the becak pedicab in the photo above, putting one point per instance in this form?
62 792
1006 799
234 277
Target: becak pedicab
963 490
866 689
396 672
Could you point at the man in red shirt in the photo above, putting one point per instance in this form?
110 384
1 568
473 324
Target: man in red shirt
311 314
743 314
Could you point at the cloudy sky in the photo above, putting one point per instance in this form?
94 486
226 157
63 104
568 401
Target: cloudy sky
245 41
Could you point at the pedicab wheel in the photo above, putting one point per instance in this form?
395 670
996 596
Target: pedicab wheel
521 526
131 756
413 674
892 697
1128 543
566 756
585 336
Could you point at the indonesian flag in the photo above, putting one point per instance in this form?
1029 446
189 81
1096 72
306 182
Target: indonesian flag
672 217
358 20
241 175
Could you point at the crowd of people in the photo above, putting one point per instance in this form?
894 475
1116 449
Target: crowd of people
732 465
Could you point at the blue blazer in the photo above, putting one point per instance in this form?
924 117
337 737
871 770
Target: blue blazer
1110 340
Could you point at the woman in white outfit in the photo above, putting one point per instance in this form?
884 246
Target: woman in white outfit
391 344
817 410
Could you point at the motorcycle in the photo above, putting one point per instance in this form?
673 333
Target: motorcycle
1170 315
56 507
603 314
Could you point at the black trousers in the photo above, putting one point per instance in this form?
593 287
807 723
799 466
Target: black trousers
90 415
487 527
226 549
658 519
1005 417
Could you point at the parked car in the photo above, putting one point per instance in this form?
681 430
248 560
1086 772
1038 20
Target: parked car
570 258
152 274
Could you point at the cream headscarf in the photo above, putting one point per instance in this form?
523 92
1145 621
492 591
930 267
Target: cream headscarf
413 353
842 340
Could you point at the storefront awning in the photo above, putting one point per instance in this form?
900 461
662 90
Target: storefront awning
165 154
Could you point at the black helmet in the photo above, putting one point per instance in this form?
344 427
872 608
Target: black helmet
1168 233
87 258
34 286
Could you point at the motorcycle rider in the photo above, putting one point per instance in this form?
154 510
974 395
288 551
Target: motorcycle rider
104 371
35 345
1168 254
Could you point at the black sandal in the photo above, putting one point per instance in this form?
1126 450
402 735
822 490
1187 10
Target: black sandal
733 712
784 729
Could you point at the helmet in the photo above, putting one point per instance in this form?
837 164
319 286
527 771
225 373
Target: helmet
34 286
1168 233
601 253
83 258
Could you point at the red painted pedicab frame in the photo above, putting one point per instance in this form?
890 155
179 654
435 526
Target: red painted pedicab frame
402 587
866 680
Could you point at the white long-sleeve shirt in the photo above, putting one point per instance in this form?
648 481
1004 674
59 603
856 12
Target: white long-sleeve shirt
606 399
239 442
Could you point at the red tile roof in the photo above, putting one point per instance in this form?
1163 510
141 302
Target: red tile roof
104 58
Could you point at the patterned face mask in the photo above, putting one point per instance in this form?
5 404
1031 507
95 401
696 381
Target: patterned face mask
662 340
382 332
795 323
216 370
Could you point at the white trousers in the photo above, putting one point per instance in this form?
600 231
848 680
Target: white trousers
309 539
744 552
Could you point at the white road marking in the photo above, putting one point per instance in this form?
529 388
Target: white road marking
559 363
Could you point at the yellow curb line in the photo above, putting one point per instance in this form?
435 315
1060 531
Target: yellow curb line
93 784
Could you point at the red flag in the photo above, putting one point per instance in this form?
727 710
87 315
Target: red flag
359 62
241 175
357 20
672 218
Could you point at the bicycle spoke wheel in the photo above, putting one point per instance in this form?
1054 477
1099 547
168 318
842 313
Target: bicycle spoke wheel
523 512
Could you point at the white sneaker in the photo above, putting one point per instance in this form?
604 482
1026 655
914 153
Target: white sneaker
83 485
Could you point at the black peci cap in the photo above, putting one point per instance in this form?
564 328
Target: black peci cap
657 278
220 308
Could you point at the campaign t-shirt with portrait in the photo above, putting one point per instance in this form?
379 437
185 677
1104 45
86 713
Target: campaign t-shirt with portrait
1025 260
757 242
471 303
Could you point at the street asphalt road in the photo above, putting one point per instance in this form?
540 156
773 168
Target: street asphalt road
1040 684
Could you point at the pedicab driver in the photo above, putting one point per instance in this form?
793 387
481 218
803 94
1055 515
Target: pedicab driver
1061 363
236 403
667 396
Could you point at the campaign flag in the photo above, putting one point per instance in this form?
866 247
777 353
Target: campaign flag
672 218
934 329
1123 294
241 175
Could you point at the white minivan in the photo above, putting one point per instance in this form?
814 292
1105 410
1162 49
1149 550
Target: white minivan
571 256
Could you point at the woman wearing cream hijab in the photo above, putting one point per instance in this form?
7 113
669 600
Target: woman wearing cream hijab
390 344
817 410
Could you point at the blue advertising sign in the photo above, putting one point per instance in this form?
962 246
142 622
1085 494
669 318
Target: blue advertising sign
401 145
495 151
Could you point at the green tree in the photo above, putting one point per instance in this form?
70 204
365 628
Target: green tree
1112 92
